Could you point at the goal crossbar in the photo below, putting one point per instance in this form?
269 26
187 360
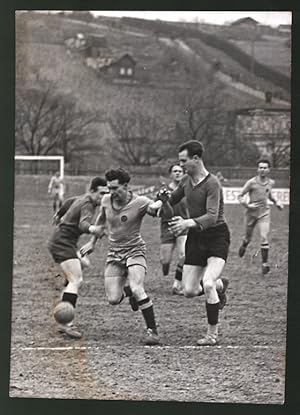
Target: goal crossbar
59 158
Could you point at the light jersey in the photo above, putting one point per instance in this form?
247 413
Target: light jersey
124 225
56 184
258 192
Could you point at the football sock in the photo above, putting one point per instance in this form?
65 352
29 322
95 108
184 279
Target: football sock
70 297
165 269
264 249
212 311
178 272
148 313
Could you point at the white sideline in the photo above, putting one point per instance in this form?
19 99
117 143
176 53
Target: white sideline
65 348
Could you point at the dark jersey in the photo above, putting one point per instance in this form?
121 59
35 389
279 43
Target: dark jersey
204 201
79 216
180 209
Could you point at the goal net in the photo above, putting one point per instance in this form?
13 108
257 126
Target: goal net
39 165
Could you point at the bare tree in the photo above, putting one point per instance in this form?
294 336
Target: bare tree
279 149
140 138
47 122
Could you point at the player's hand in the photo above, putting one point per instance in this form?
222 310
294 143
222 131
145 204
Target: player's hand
87 248
177 225
255 205
279 205
55 219
163 195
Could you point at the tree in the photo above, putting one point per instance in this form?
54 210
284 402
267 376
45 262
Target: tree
47 122
278 149
140 139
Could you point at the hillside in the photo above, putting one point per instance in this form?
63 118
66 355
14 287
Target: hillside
168 72
159 65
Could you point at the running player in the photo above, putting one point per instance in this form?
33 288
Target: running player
168 240
76 220
208 238
259 189
125 269
56 188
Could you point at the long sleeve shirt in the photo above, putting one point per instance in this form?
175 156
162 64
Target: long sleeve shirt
80 215
204 201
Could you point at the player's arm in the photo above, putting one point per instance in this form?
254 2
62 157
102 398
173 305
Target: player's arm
212 207
86 220
179 225
241 196
50 185
97 230
274 200
64 208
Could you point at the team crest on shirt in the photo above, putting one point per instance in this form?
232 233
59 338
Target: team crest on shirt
124 218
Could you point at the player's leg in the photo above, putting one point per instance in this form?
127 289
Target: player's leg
191 278
193 266
73 274
54 198
180 248
136 276
166 251
264 229
250 223
60 199
114 281
211 279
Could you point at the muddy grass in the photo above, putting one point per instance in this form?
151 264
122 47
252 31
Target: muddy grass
109 363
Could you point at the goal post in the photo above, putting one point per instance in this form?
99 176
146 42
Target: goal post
32 159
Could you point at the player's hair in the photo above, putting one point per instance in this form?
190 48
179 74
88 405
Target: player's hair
118 174
193 147
96 182
173 165
263 160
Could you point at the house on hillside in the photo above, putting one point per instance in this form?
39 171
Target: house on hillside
245 22
268 128
122 67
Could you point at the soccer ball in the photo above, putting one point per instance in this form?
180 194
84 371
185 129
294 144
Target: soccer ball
85 262
64 312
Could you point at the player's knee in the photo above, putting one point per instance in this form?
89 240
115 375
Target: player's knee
189 291
181 258
208 286
138 291
114 298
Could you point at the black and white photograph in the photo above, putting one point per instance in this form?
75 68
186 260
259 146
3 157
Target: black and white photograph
151 206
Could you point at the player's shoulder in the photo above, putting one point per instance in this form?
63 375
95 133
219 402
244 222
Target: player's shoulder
184 180
212 181
251 181
272 182
141 199
213 178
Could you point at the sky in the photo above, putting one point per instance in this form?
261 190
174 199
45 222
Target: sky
270 18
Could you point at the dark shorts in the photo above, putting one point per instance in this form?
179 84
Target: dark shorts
63 245
167 237
201 245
